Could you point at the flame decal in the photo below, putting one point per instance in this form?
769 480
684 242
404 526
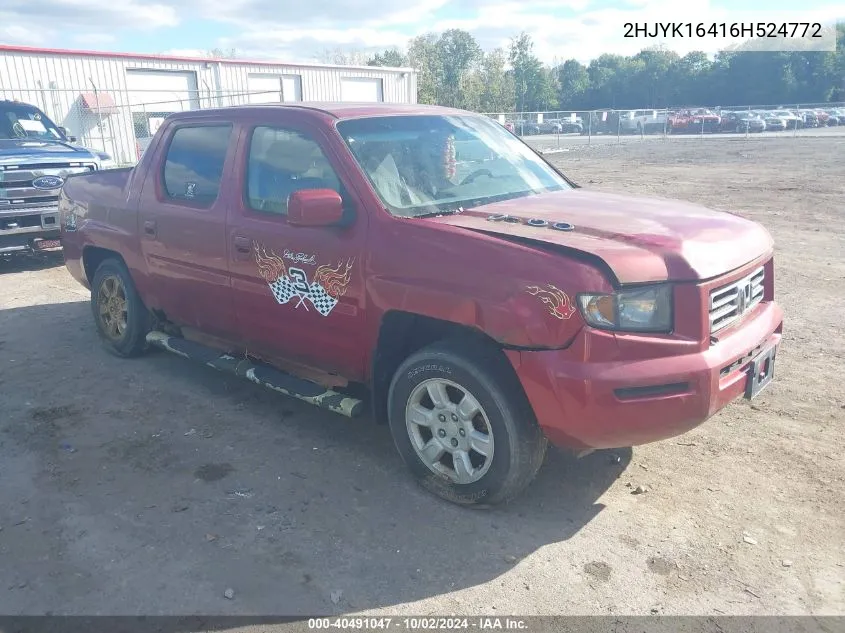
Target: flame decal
270 265
557 302
332 279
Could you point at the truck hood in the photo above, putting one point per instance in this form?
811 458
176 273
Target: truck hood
640 239
17 151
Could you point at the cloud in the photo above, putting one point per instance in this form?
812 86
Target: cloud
84 23
94 39
299 31
76 14
185 52
564 29
312 14
305 45
13 33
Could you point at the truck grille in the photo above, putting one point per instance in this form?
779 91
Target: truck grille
16 190
729 303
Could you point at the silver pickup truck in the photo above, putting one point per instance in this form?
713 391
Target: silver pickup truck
36 156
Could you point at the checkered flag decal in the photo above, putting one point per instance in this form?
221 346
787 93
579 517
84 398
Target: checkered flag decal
283 289
322 300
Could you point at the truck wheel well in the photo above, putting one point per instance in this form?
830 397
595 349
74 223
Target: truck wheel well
93 256
400 335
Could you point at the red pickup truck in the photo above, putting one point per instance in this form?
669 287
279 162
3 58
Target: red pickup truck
426 263
693 120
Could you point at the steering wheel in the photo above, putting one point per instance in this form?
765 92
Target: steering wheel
476 174
17 130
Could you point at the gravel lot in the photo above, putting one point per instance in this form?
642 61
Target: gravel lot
152 486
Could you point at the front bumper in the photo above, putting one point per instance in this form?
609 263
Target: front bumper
622 403
28 230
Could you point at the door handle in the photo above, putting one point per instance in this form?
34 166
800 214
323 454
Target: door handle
242 246
150 228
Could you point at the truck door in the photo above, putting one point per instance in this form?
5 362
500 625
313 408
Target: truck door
182 225
298 291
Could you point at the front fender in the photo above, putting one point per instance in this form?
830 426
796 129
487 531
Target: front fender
527 314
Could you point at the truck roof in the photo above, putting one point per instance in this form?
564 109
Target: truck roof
335 110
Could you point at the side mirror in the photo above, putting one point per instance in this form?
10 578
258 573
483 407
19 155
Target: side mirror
64 132
315 207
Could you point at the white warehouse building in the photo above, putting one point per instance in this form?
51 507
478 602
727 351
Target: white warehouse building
114 102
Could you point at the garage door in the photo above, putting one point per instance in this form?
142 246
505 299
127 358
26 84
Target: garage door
274 88
161 90
361 89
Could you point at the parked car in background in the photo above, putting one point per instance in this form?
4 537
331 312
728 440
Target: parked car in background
791 120
774 122
809 117
823 116
568 126
838 115
642 121
741 122
693 120
603 122
828 118
480 307
524 127
561 126
36 156
550 126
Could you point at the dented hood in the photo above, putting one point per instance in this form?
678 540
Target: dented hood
641 239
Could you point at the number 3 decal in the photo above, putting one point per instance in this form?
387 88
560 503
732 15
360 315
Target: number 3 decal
300 280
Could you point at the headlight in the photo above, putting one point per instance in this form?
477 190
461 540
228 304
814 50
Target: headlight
645 309
106 161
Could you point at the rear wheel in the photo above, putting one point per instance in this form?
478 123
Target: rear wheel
122 319
463 426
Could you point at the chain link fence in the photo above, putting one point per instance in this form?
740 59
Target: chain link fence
561 129
121 123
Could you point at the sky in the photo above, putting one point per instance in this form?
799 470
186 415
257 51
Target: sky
300 31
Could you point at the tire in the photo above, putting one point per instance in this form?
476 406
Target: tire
504 416
112 278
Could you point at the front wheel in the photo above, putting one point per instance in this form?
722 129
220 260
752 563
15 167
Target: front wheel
462 424
121 318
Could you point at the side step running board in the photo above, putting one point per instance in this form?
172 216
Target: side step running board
260 374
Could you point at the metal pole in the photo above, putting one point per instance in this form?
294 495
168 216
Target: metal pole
99 114
148 131
748 122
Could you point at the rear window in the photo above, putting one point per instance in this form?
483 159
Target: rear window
193 166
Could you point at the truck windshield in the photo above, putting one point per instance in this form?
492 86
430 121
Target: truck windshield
422 164
19 120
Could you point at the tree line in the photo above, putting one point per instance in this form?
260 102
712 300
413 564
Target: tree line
453 70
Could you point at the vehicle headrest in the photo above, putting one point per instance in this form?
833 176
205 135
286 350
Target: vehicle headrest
295 155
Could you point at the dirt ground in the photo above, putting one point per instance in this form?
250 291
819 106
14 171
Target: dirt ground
152 486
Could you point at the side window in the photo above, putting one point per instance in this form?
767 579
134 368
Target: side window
193 165
280 162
